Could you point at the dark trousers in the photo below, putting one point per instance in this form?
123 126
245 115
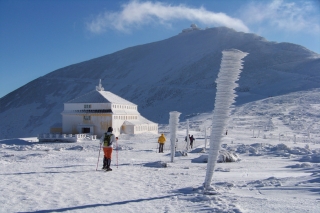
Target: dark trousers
161 147
106 163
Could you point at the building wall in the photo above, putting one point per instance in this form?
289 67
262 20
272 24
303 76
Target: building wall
153 128
128 129
72 123
57 130
116 106
80 106
102 123
119 119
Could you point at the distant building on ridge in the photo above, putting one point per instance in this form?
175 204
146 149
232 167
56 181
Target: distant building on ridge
95 111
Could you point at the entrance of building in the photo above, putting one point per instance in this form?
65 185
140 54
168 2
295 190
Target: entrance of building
85 130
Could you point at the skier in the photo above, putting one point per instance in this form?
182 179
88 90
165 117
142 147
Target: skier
191 141
161 141
107 140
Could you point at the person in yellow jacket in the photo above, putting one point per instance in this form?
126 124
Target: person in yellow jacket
161 141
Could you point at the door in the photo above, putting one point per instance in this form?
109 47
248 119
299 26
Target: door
85 130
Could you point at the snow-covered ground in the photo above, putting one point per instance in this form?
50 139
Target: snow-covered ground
278 168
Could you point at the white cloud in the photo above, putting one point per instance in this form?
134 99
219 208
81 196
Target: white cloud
284 15
136 13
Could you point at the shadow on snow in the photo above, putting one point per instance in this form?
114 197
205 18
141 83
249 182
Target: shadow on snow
99 205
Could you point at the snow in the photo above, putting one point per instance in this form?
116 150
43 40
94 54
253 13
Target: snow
273 172
95 96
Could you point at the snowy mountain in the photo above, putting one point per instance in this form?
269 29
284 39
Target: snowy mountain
174 74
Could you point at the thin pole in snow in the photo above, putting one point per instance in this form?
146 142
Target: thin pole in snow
98 157
117 151
157 147
205 138
188 139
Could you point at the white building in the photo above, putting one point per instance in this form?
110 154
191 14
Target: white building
94 112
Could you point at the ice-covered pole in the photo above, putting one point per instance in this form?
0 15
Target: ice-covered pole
187 137
173 122
205 138
230 69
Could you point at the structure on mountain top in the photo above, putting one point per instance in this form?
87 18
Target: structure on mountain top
93 112
193 27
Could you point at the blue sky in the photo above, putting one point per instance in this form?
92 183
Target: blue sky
40 36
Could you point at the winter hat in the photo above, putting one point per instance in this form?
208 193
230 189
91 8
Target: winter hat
110 129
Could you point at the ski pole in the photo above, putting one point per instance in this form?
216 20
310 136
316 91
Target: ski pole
98 157
117 150
157 147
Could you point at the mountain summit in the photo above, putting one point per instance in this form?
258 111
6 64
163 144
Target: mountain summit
177 73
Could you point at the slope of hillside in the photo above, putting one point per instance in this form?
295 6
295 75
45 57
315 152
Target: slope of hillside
174 74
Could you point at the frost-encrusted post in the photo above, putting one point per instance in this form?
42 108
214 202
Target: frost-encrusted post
230 69
173 121
205 138
187 137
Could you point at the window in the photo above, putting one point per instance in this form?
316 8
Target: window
87 117
87 106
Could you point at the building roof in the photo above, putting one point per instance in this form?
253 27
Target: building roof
56 125
141 120
96 96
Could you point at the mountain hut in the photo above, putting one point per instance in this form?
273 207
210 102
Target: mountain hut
93 112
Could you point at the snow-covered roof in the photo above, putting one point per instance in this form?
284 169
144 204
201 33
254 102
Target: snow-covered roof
56 125
96 96
141 120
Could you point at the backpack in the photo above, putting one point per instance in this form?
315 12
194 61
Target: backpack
107 140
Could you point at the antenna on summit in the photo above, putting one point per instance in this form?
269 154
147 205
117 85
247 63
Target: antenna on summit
99 88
